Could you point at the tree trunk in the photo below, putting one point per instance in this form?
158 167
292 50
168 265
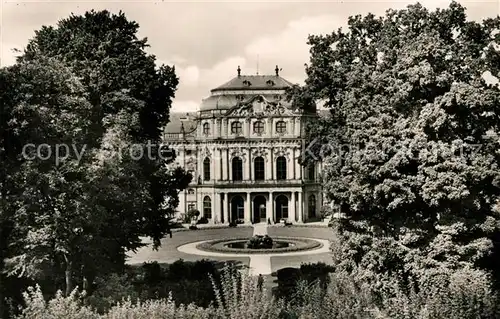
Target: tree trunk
3 310
4 231
68 274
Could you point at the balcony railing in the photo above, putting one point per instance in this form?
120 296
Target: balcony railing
273 182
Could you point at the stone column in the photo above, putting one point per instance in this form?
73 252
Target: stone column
250 160
215 207
292 216
224 164
289 164
228 166
269 207
213 159
246 171
248 209
221 166
300 206
273 164
306 206
225 198
268 175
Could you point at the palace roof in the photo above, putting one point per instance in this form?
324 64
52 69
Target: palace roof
255 82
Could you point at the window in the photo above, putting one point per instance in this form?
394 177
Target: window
206 128
190 191
281 127
259 168
207 207
189 152
258 127
237 169
281 167
311 173
191 206
236 127
206 169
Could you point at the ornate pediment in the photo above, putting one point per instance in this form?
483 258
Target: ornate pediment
260 151
260 106
282 151
206 152
237 152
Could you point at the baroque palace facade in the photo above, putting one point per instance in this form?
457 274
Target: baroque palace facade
242 148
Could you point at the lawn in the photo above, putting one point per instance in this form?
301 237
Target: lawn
168 252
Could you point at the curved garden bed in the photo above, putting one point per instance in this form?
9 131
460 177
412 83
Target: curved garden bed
296 244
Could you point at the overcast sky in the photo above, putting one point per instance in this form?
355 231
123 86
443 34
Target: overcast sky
206 41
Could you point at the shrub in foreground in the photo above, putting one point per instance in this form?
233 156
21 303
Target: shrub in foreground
463 294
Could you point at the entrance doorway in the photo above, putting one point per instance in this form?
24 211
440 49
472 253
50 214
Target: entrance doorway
259 209
281 207
312 206
237 208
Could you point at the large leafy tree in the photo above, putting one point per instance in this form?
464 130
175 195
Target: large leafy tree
103 50
87 84
411 145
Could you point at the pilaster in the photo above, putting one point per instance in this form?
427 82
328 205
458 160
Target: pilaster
300 206
248 209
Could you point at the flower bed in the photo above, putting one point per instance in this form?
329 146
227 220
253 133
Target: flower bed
297 244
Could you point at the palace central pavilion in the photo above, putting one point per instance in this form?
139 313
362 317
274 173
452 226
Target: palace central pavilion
243 148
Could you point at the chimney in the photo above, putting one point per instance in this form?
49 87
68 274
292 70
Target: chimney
239 71
277 70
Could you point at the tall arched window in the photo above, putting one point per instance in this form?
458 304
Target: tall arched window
311 172
206 169
259 168
207 207
312 206
237 169
281 167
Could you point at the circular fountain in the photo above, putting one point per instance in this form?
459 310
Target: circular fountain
259 248
259 244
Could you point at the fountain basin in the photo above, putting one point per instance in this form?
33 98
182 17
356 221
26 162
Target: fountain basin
238 245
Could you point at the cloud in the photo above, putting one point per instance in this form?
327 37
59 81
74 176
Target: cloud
288 48
8 54
195 83
184 106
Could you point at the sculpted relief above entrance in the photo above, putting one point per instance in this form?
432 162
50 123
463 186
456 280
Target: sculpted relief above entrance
260 106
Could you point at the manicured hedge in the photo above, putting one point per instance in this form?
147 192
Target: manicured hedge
216 226
302 225
301 244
